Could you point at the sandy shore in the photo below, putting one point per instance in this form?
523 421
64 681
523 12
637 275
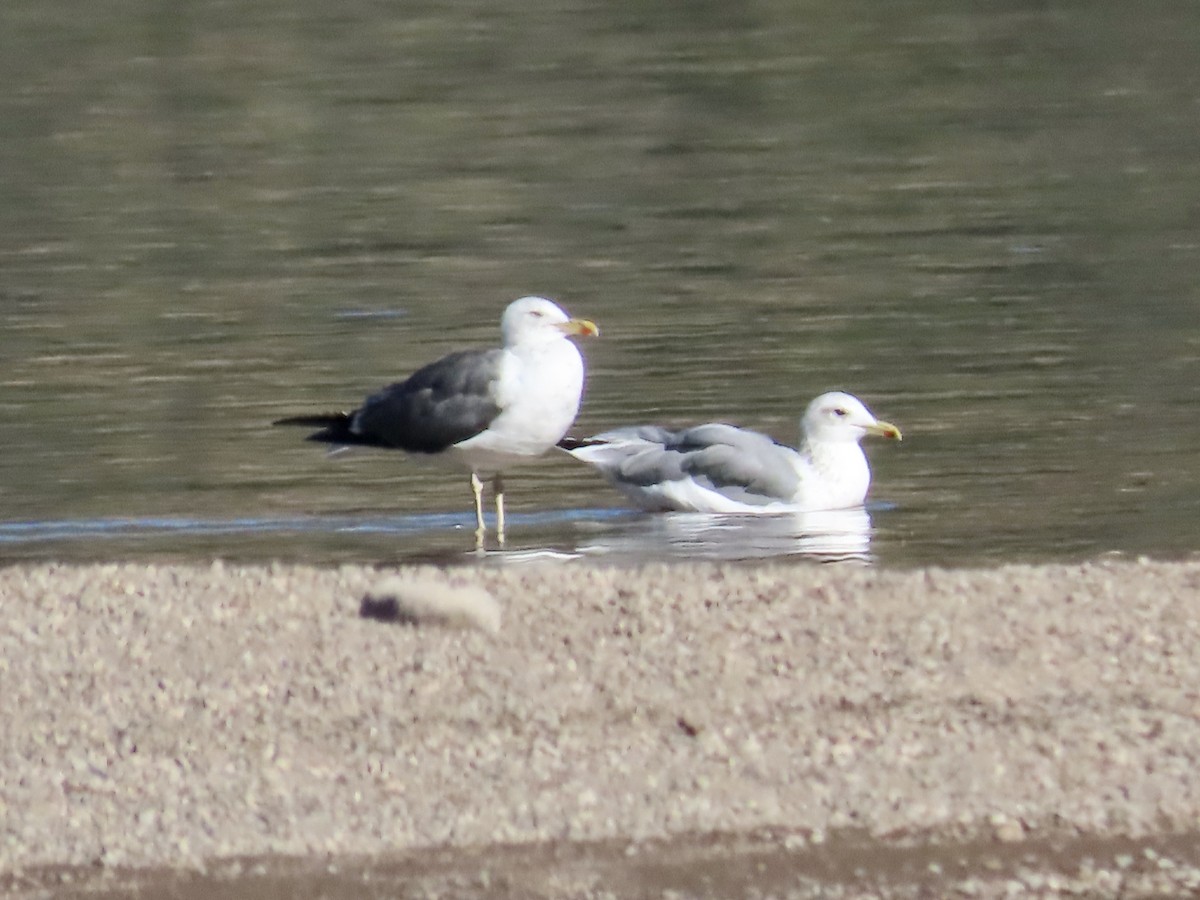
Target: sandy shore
187 718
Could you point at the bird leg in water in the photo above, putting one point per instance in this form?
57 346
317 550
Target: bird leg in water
498 487
480 528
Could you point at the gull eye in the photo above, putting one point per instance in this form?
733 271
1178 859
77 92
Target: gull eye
840 412
536 313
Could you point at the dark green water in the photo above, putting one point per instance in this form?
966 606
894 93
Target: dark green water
982 218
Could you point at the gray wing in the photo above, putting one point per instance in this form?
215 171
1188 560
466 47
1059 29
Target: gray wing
743 465
437 406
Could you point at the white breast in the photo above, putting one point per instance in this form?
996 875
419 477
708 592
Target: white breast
539 392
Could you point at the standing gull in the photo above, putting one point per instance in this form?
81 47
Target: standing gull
718 468
484 410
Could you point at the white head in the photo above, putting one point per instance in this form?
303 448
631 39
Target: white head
839 417
537 320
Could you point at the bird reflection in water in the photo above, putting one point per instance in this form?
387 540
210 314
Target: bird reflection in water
827 536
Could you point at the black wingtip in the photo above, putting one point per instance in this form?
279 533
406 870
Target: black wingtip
312 421
571 443
334 427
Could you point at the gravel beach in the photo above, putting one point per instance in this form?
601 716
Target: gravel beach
710 730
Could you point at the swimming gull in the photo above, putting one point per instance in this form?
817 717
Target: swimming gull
484 410
717 468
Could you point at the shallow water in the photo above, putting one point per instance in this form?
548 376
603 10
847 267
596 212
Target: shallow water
979 218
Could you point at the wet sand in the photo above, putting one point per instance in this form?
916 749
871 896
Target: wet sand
710 730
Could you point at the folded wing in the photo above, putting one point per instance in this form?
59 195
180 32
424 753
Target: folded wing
708 468
438 406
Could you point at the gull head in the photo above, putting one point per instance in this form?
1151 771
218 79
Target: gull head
538 320
838 416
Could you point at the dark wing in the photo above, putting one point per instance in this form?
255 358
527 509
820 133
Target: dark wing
439 405
743 465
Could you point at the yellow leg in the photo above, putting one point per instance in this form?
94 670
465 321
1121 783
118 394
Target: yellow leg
477 488
498 487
